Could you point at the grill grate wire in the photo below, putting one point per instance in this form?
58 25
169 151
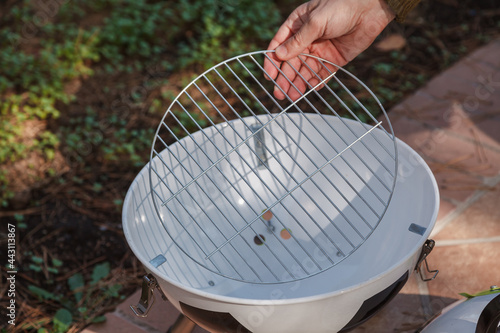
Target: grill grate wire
227 154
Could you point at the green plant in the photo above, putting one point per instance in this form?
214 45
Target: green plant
87 136
6 192
47 142
384 68
137 29
33 82
38 265
83 302
220 29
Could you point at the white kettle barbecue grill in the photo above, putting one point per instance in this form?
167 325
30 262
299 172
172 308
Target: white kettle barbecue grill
261 215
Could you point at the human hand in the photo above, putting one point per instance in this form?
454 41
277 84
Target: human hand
335 30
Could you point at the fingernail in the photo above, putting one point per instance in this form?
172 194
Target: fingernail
281 52
277 94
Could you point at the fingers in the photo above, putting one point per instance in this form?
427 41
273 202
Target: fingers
277 70
284 33
271 65
298 75
297 43
289 81
298 34
314 71
309 73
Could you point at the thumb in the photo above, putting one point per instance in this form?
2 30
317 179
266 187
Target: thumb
294 45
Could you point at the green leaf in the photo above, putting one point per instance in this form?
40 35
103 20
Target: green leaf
62 319
57 262
42 294
100 271
50 154
36 260
76 283
97 187
113 290
482 293
35 268
99 319
52 270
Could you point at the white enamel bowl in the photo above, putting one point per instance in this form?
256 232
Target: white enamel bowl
330 300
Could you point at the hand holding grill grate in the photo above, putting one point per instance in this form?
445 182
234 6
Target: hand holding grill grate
335 30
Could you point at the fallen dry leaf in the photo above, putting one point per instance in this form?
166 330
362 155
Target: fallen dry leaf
391 43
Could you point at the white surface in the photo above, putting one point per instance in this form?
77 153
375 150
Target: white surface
327 300
329 215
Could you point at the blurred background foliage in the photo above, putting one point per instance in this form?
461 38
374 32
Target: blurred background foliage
45 46
83 85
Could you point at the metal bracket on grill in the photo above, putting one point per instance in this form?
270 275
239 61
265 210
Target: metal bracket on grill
259 142
147 299
426 249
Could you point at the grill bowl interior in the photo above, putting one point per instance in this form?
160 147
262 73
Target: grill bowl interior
318 222
415 202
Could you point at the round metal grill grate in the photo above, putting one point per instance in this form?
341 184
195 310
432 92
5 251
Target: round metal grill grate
263 190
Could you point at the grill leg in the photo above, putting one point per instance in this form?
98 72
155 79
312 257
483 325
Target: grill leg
182 325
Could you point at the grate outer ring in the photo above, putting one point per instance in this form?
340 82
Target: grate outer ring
201 178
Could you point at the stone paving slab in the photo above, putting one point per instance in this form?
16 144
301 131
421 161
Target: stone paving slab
454 123
488 55
162 312
115 324
446 151
447 156
480 221
162 315
466 268
480 127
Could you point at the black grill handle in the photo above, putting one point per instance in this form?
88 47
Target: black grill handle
426 249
